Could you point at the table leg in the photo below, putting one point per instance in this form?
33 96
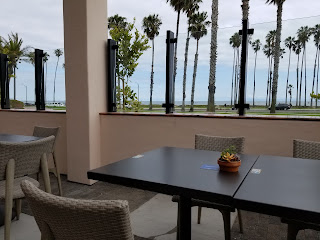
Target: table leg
185 218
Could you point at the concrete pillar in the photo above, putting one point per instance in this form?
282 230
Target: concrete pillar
85 37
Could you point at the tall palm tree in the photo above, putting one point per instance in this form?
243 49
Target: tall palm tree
277 52
14 50
289 42
151 26
256 45
117 21
235 42
178 6
304 34
198 28
58 53
213 55
297 48
190 8
316 39
317 85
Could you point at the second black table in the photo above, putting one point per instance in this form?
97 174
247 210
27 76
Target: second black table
177 171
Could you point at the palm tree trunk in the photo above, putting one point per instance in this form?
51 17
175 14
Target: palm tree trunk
14 83
254 78
54 82
276 58
268 82
314 73
233 68
236 84
194 77
183 108
301 75
297 98
123 104
305 79
317 88
213 56
175 57
45 83
152 73
288 75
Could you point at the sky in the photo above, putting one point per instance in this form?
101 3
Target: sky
40 24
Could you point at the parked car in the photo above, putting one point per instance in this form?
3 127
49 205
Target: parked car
282 106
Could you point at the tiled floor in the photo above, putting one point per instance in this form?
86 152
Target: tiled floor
154 216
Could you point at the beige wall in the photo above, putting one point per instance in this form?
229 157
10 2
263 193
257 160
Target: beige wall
22 123
85 32
126 136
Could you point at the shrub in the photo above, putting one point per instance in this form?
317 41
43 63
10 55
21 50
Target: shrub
15 104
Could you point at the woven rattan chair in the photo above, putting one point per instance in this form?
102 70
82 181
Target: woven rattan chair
214 143
62 218
46 132
17 160
307 150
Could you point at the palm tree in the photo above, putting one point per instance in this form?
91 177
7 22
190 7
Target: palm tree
117 21
178 6
304 34
13 48
289 89
277 52
256 45
198 28
151 26
235 42
297 47
58 53
190 8
213 55
289 42
316 39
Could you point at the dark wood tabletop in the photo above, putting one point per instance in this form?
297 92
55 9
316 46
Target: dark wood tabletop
286 187
177 171
17 138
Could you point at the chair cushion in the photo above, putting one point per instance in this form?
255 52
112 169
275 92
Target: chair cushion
17 192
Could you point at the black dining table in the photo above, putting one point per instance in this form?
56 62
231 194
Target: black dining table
178 171
16 139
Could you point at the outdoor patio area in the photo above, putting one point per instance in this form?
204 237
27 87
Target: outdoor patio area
154 216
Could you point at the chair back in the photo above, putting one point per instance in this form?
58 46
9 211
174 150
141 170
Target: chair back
46 132
215 143
306 149
63 218
26 155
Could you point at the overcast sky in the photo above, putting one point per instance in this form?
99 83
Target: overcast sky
40 24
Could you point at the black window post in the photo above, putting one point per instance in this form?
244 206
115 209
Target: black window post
169 105
39 79
111 81
4 82
242 105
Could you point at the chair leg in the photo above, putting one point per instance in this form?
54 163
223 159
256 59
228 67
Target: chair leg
45 173
178 225
18 207
240 220
199 214
227 224
292 232
8 198
58 173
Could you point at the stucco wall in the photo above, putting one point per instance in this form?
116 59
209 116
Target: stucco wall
125 136
23 123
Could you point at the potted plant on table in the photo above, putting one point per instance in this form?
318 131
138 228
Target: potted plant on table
229 161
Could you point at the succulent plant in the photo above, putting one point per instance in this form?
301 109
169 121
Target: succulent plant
229 155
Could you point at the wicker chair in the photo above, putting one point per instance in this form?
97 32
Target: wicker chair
63 218
307 150
46 132
17 160
214 143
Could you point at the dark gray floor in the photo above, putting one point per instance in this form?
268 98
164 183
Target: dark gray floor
256 226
